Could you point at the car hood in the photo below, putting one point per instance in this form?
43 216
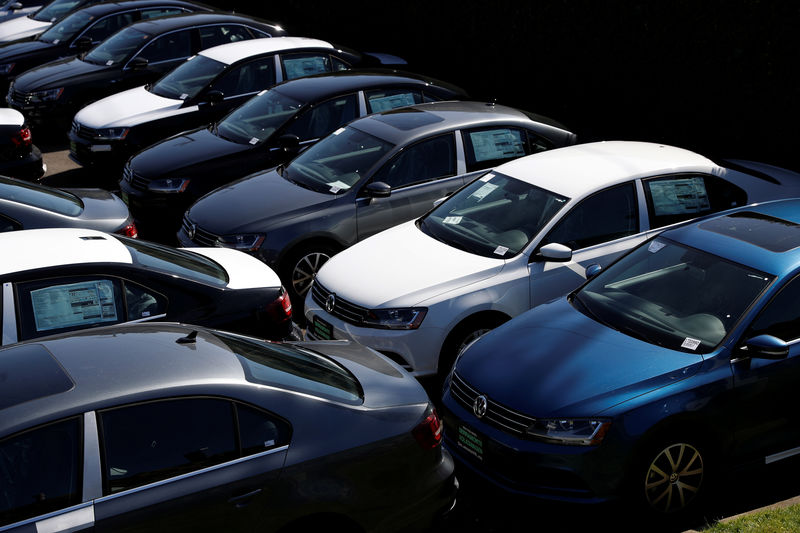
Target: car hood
190 149
555 361
244 270
129 108
260 200
21 27
402 267
55 74
24 49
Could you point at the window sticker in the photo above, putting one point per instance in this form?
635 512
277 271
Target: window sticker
451 220
337 132
336 186
56 41
679 196
261 92
655 246
390 102
305 66
501 250
690 343
75 304
184 96
487 177
109 62
497 144
254 140
483 191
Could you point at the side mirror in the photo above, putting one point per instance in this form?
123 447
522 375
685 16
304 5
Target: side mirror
289 142
765 347
138 63
593 270
213 97
15 6
554 252
82 44
378 189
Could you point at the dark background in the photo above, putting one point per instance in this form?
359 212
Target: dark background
717 77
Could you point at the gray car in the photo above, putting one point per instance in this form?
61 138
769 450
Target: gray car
156 427
374 173
25 205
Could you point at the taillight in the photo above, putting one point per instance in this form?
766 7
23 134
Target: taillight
429 432
129 231
281 309
22 139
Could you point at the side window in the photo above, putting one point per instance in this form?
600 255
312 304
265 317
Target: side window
153 441
160 12
382 100
781 317
323 118
105 27
489 147
40 471
169 47
8 224
258 431
605 216
222 34
143 303
338 64
53 306
247 78
424 161
672 199
299 65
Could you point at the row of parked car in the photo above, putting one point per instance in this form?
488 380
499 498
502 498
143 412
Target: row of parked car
413 233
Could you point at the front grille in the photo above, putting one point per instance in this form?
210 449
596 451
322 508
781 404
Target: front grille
19 97
349 312
496 415
135 180
201 236
84 132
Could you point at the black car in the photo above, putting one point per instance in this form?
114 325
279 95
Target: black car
136 55
78 32
199 92
166 427
27 27
376 172
267 130
63 279
19 157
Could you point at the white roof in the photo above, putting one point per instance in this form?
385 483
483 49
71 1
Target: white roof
40 248
576 170
11 117
233 52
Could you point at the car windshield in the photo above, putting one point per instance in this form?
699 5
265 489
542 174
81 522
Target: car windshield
254 121
293 367
671 295
188 79
181 263
117 48
494 216
55 200
67 28
55 10
337 162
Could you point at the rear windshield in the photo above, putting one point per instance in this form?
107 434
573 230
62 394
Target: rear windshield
55 200
182 263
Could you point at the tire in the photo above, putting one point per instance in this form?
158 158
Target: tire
299 271
462 336
672 478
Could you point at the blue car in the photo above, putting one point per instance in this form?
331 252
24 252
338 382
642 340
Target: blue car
678 360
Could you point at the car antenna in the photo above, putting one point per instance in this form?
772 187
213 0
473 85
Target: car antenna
188 339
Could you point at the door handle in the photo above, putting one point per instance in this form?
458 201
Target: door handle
244 499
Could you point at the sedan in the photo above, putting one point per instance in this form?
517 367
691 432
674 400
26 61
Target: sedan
25 27
167 427
138 54
675 364
59 280
376 172
19 157
196 93
25 205
517 237
11 9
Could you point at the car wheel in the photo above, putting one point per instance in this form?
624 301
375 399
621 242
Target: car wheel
300 270
673 478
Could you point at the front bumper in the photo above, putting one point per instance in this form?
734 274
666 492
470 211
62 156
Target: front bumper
94 152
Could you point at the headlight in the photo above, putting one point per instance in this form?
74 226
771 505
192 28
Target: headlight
6 68
574 431
47 96
169 185
111 134
402 318
248 242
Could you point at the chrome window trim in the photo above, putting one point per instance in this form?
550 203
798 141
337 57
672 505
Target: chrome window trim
148 43
362 104
774 458
146 319
92 476
461 156
187 475
54 521
9 315
644 216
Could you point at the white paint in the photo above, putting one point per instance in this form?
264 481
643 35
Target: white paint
244 270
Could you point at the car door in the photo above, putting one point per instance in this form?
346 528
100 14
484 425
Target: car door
163 53
188 464
418 175
598 229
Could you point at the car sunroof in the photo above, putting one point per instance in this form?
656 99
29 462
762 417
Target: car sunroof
765 231
29 372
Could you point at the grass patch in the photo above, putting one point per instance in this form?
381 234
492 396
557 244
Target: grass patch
783 520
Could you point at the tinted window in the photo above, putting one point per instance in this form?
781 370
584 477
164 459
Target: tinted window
605 216
160 12
188 79
258 118
66 28
259 431
173 261
55 10
299 65
486 148
384 99
7 224
142 303
672 199
109 25
321 119
40 471
34 195
222 34
781 317
170 47
153 441
117 48
424 161
247 78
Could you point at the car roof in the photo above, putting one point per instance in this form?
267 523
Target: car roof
232 52
104 8
11 117
320 86
42 248
58 376
763 236
161 25
577 170
405 124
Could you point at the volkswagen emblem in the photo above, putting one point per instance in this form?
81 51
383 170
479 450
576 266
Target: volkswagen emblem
480 405
191 230
330 303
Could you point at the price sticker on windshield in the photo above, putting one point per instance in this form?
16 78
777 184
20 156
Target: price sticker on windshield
109 62
452 220
184 96
501 250
254 140
655 246
337 132
483 191
690 343
487 177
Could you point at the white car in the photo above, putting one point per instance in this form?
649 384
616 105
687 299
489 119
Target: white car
515 238
15 27
11 9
